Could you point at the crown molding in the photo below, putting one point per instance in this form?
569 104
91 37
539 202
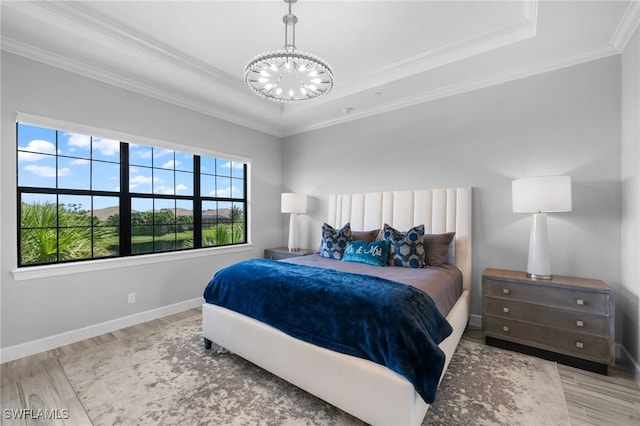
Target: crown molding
627 26
117 32
516 30
68 64
586 55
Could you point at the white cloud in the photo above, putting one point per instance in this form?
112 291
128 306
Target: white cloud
234 164
80 141
166 190
47 172
159 152
106 147
136 181
171 164
163 190
139 151
221 192
79 162
35 147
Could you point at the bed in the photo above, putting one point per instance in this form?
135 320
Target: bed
368 390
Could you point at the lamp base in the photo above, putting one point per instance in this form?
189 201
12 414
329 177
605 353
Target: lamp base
293 233
539 277
539 265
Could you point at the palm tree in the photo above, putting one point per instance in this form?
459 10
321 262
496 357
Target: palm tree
237 214
50 233
222 234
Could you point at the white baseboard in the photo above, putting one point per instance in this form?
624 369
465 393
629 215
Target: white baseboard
36 346
627 359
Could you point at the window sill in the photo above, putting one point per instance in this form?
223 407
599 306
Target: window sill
47 271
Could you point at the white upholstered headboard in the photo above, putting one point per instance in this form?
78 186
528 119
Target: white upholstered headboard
440 210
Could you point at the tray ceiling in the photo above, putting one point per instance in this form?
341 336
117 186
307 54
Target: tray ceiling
386 54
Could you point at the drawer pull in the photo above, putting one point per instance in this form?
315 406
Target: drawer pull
505 328
579 323
505 291
506 310
579 345
579 301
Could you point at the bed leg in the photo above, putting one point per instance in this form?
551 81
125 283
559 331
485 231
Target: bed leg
207 343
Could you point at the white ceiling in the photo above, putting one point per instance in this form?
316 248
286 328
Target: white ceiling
385 54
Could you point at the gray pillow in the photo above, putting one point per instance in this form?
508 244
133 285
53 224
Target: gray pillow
366 236
436 248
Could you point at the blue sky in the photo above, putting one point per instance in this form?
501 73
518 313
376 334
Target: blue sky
87 163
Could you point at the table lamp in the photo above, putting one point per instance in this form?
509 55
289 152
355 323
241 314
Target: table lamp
540 195
294 204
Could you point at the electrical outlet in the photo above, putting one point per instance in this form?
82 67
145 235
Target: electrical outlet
132 298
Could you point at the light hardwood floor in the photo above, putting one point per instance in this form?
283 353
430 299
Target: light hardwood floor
593 399
39 382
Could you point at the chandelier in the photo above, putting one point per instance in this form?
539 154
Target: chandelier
288 75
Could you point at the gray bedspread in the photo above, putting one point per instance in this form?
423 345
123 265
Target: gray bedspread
442 283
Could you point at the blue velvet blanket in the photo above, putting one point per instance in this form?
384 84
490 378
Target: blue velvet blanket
389 323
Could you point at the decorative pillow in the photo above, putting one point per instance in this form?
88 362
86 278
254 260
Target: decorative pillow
334 241
366 236
436 248
374 253
407 248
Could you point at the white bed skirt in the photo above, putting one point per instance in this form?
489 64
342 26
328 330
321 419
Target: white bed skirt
364 389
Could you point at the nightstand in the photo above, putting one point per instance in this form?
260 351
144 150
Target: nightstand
566 319
278 253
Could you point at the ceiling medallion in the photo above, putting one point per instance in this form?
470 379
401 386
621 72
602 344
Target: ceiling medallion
289 75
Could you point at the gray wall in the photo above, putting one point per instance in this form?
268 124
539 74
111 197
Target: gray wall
35 309
562 122
628 305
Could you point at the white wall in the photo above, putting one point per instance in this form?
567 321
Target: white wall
41 308
628 305
562 122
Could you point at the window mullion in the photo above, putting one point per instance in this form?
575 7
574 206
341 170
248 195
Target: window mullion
125 202
197 204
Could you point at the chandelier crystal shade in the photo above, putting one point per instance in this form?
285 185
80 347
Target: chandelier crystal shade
288 75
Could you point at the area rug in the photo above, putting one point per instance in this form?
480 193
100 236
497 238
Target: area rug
490 386
165 376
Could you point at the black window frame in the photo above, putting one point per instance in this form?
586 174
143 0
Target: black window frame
125 197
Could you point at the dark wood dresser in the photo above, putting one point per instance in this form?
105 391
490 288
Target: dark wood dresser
566 319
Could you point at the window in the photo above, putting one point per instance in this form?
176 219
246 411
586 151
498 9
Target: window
85 197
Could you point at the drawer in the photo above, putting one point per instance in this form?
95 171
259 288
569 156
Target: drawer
578 300
579 345
575 321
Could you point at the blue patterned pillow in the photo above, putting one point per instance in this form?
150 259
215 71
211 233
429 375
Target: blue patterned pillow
375 253
407 248
334 241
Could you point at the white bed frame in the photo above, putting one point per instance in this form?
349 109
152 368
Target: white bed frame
360 387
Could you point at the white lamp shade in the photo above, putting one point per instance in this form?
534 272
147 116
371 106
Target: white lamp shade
541 194
293 203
